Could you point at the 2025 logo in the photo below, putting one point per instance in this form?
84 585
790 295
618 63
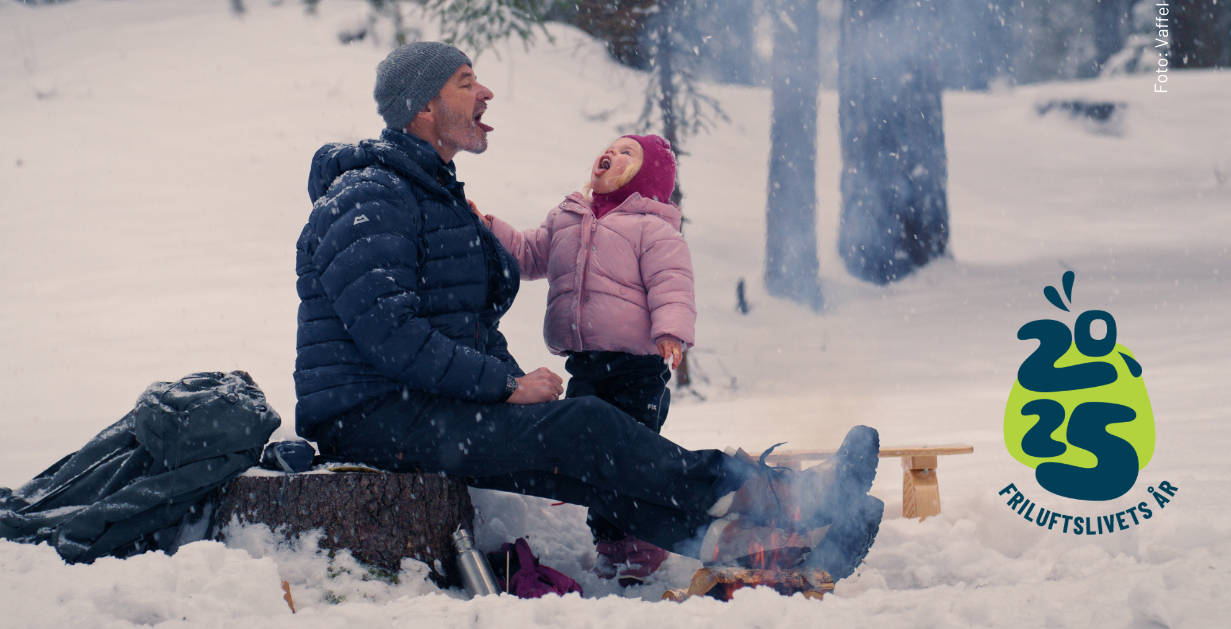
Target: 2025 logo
1078 413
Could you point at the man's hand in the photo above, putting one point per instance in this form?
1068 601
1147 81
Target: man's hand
540 385
670 349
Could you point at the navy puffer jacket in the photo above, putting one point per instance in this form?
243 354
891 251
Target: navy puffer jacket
401 287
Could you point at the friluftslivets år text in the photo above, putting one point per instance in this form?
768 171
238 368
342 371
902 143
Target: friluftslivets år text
1082 525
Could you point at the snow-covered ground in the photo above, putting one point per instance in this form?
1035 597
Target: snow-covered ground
153 164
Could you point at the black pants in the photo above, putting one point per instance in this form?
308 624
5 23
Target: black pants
582 451
634 384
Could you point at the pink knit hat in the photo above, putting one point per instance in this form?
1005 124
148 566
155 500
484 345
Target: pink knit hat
654 180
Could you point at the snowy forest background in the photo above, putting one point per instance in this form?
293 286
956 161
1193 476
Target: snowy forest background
153 158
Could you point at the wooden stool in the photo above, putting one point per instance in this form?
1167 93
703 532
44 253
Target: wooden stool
920 486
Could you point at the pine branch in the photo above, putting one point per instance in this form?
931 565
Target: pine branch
478 25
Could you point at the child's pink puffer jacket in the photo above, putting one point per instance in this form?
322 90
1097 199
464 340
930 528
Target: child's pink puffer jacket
620 283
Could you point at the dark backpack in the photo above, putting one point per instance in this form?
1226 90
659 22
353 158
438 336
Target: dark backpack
146 482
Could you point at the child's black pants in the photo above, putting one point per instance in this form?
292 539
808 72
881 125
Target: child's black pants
634 384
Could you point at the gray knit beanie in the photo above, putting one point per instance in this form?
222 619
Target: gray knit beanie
412 75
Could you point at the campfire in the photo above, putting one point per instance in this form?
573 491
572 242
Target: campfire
780 567
721 582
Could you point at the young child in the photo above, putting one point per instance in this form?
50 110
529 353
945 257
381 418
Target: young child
620 302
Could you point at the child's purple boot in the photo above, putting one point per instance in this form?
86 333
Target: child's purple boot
630 560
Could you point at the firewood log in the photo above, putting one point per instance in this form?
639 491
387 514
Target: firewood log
720 582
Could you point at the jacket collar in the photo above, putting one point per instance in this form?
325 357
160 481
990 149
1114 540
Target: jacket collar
421 153
634 204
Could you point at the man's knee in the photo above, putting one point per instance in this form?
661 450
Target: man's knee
597 409
592 417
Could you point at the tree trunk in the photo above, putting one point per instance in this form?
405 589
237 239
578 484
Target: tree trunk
895 213
1112 25
791 263
668 96
664 69
378 517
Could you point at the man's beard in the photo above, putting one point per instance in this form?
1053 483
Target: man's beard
460 130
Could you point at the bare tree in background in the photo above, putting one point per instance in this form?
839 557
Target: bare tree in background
672 92
895 212
791 263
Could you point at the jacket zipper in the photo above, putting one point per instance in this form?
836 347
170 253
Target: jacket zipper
583 262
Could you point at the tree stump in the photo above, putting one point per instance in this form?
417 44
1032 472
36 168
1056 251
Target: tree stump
379 517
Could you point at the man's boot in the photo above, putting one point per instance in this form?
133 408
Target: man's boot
849 538
829 490
804 501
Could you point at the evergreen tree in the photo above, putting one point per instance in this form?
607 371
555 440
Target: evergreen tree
1053 40
473 25
477 25
895 213
1200 34
620 25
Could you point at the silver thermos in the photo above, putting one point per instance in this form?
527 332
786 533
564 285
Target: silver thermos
476 573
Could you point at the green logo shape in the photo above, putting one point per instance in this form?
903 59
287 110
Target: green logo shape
1127 390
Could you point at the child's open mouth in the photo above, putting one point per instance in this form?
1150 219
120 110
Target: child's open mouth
604 163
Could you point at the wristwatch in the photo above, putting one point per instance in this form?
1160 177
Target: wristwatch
510 385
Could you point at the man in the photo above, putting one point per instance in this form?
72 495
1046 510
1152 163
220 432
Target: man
401 363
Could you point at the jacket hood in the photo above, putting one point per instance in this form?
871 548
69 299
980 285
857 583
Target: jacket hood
634 204
393 150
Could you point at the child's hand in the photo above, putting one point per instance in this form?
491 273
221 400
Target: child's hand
474 208
670 349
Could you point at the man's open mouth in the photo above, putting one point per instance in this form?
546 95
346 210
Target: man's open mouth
478 121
